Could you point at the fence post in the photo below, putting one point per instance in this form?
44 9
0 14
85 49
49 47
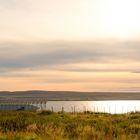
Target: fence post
62 109
74 109
84 109
52 108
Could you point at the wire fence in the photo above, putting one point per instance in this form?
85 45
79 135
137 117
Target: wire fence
42 105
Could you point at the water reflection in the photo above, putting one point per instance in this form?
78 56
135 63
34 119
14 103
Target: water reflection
95 106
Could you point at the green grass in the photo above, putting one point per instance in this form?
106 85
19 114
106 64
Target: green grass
46 125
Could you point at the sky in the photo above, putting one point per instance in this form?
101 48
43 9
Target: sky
74 45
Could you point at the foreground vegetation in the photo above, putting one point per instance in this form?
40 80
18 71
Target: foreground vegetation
22 125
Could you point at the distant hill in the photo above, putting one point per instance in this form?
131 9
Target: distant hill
69 95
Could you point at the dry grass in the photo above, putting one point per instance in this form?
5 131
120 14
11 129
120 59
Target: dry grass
20 125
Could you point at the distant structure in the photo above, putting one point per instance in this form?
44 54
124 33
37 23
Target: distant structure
22 103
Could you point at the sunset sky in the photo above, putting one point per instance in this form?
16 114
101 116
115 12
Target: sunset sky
76 45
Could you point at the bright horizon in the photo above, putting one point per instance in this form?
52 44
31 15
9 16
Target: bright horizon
73 45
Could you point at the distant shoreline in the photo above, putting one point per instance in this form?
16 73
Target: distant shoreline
72 96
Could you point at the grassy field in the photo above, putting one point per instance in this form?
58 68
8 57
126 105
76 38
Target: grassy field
22 125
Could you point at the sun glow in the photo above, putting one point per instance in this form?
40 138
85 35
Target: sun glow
119 18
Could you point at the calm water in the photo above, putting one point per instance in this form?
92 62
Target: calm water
96 106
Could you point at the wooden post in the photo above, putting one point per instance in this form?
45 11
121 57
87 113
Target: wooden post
52 108
62 109
74 109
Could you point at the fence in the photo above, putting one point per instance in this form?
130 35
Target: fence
43 104
96 109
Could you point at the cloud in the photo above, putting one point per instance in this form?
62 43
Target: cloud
107 70
16 55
